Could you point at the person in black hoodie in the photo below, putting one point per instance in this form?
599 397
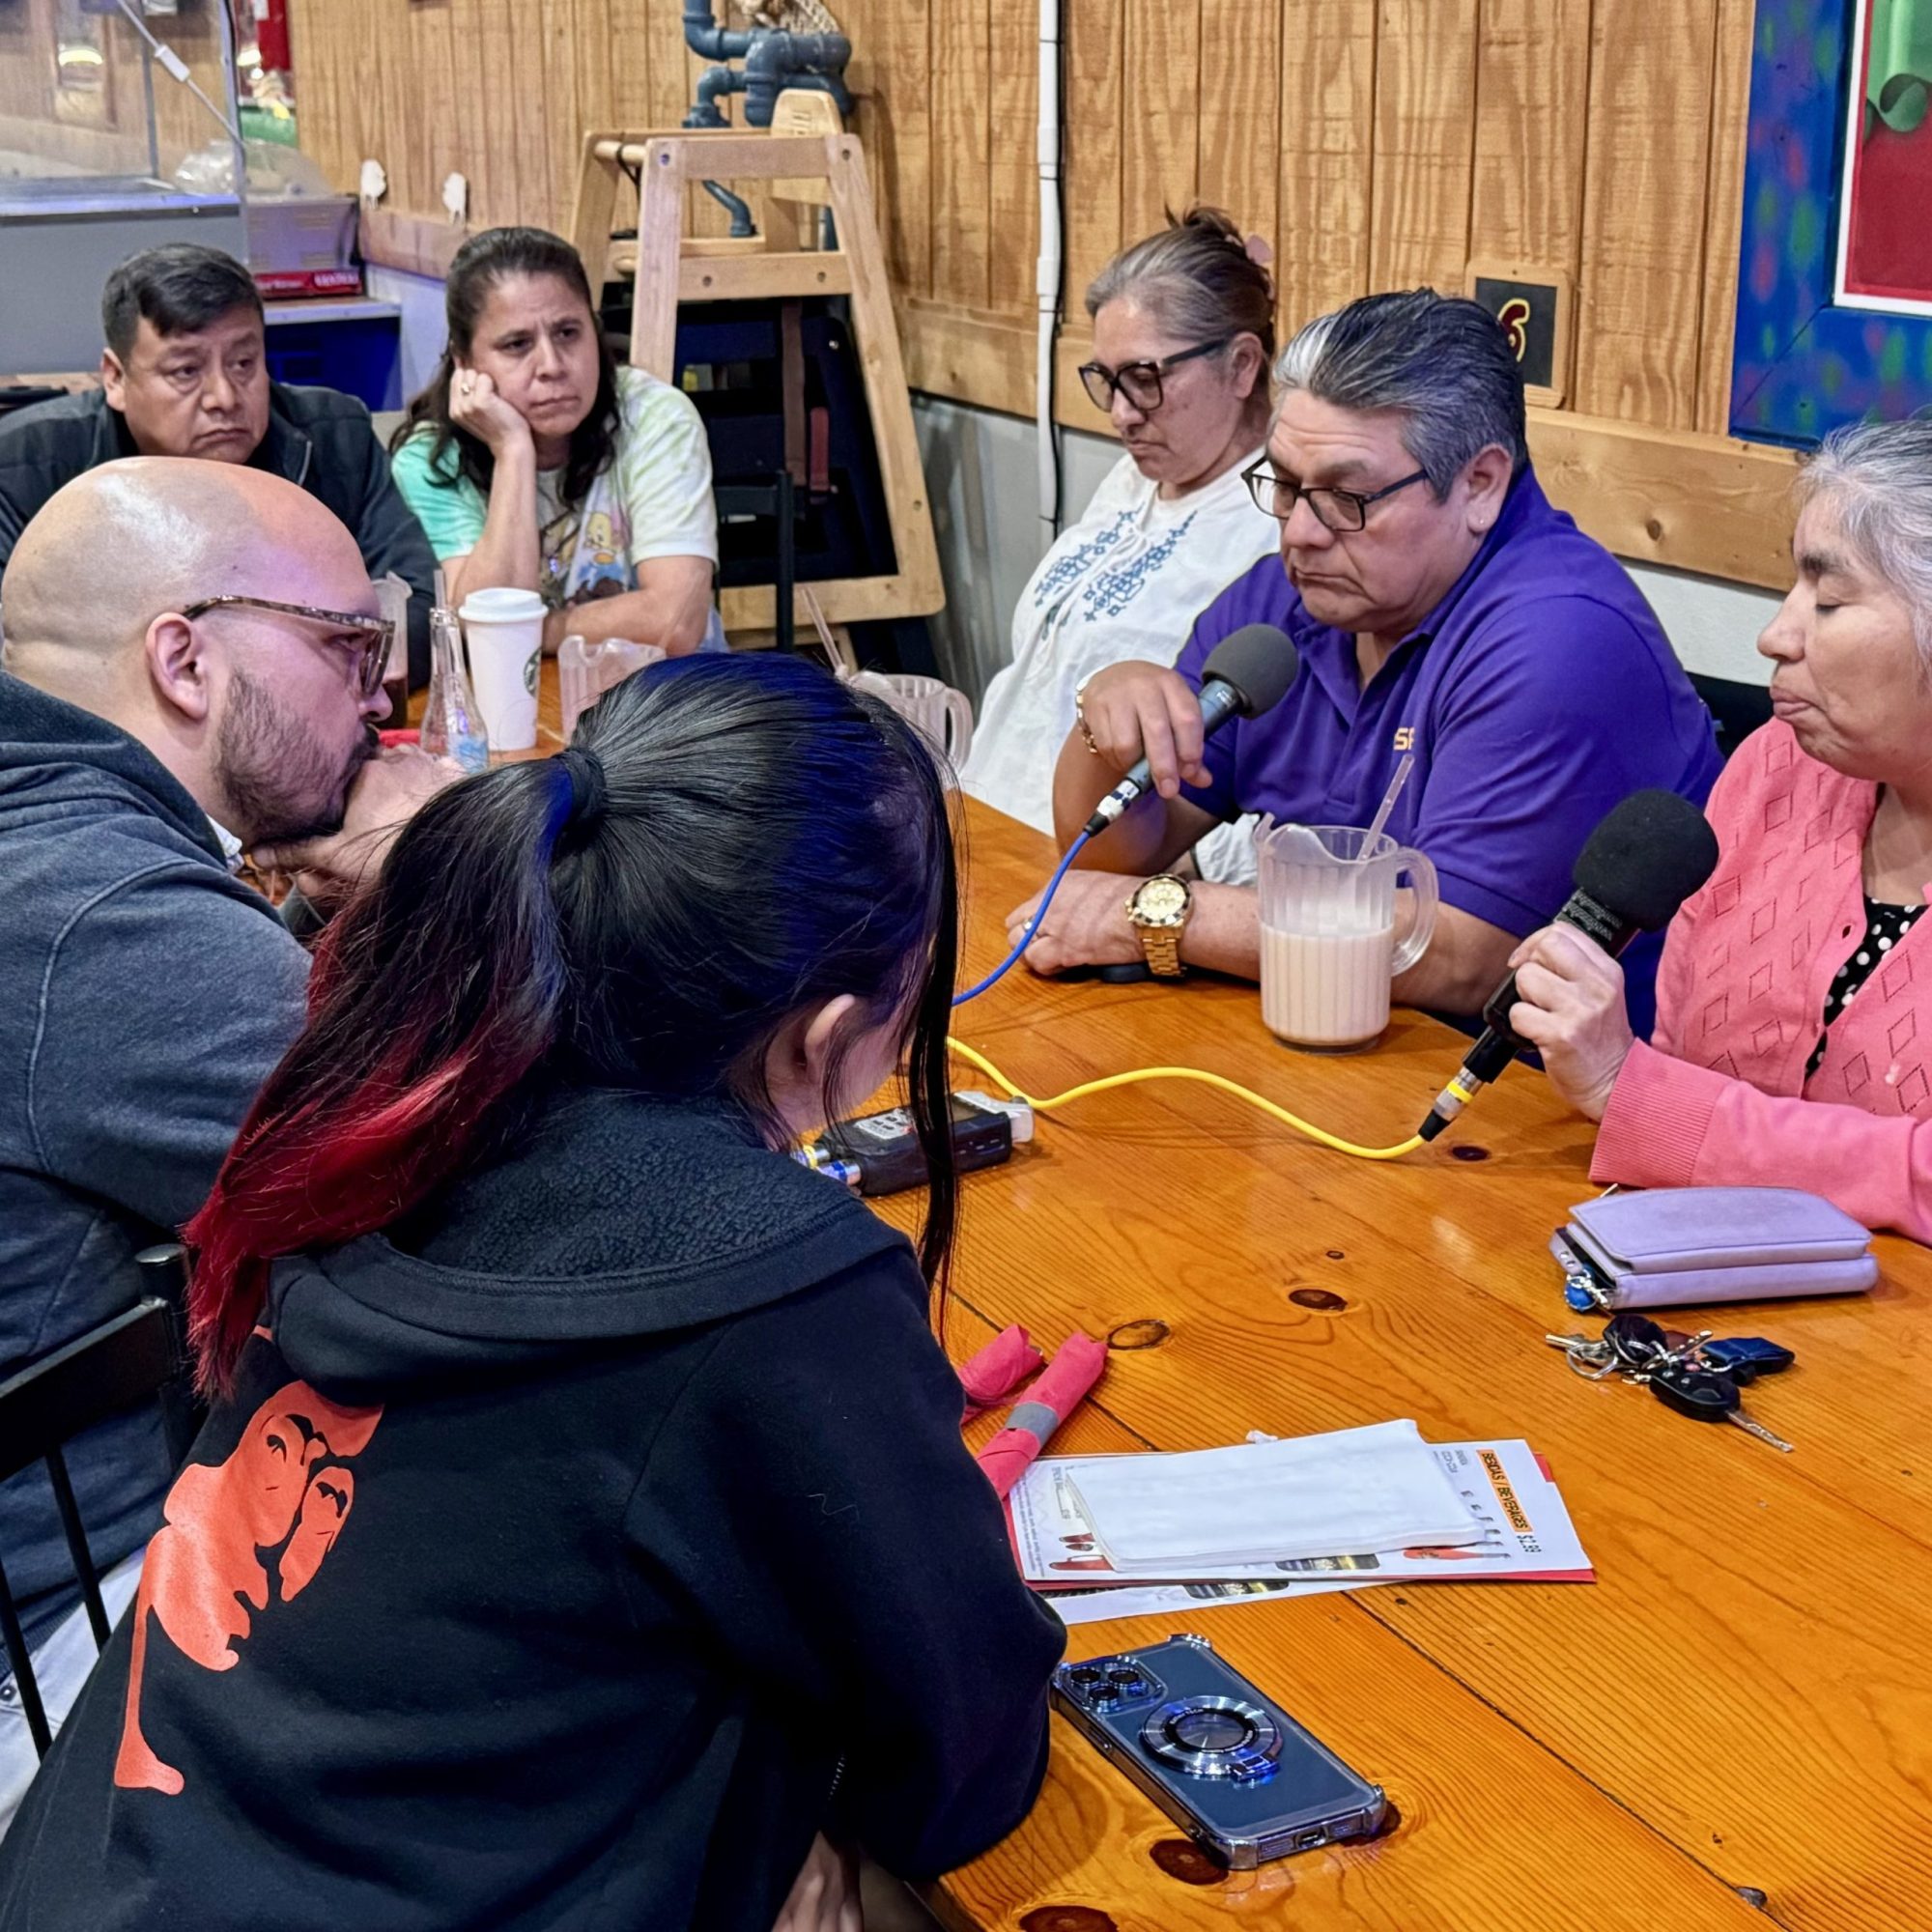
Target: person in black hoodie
582 1527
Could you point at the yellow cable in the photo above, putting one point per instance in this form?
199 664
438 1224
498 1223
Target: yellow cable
1301 1127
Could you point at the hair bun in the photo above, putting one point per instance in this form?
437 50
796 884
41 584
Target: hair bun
1215 221
589 792
1202 275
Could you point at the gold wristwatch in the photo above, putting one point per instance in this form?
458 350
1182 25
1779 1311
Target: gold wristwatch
1158 912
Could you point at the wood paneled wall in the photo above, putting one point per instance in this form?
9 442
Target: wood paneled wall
1375 143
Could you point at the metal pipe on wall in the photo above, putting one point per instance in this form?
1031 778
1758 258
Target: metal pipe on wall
704 36
778 60
1049 269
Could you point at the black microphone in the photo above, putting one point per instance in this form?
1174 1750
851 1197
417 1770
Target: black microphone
1249 671
1646 856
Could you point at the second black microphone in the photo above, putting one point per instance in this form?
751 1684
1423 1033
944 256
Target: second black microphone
1646 856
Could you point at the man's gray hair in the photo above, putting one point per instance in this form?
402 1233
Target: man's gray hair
1440 362
1876 478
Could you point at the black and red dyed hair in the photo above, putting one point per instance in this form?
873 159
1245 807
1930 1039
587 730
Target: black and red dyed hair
768 840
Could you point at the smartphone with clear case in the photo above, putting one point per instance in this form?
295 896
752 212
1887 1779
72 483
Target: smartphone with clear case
1233 1769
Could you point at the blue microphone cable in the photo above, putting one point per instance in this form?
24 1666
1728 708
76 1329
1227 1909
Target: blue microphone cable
1248 672
1000 971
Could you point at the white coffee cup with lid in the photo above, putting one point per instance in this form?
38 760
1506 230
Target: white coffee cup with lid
502 633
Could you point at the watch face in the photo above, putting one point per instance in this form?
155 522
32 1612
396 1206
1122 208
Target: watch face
1161 901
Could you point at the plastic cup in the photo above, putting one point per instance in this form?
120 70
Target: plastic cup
502 631
394 595
584 672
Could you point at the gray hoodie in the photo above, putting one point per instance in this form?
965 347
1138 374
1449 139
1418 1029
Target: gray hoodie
143 996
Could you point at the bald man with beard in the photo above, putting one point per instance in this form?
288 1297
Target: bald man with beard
157 716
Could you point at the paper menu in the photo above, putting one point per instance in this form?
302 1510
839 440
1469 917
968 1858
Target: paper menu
1527 1537
1377 1488
1102 1604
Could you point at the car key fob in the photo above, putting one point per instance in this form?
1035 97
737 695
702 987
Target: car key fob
1708 1395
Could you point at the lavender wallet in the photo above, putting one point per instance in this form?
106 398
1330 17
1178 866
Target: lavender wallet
1666 1245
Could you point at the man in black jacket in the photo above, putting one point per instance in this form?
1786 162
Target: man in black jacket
186 373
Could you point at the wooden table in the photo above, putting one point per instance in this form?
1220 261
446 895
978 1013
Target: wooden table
1741 1706
1733 1725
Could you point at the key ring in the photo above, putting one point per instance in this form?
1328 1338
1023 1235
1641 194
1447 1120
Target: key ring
1639 1345
1581 1288
1591 1360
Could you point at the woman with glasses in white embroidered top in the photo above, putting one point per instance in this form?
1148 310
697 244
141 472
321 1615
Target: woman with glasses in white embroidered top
1183 333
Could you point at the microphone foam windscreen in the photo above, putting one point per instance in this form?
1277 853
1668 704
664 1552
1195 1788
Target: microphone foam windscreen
1646 856
1259 662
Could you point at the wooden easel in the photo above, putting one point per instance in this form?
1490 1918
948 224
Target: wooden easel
796 170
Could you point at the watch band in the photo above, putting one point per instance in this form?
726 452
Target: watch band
1162 945
1160 939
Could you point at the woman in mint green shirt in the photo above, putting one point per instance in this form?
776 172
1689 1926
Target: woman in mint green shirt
533 462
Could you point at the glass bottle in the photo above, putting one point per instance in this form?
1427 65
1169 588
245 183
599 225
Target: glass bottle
452 727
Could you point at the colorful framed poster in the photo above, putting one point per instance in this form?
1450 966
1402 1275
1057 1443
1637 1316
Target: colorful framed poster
1834 284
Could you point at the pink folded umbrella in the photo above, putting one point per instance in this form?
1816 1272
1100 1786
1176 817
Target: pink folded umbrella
997 1370
1063 1383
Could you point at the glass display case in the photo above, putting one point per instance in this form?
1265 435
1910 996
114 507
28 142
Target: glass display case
118 124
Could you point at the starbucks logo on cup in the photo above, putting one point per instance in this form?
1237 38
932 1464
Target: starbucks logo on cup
530 672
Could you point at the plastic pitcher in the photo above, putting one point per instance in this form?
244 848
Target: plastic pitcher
394 596
584 672
1328 930
939 713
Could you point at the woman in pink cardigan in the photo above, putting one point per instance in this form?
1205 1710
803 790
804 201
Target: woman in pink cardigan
1793 1004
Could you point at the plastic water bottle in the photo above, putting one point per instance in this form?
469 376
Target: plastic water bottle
451 726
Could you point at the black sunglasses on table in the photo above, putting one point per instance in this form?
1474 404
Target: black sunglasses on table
1140 382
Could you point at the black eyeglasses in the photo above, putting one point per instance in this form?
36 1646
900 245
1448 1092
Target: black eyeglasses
1343 510
374 632
1140 382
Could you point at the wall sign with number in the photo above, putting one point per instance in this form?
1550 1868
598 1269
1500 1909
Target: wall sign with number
1533 307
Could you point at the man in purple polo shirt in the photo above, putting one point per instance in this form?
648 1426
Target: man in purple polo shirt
1441 607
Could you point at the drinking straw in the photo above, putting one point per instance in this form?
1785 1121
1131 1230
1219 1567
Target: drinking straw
1387 806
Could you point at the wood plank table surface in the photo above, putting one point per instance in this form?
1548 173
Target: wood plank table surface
1732 1727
